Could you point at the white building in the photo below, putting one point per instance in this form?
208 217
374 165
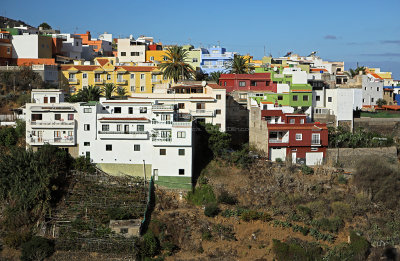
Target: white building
205 103
131 50
372 89
32 46
72 45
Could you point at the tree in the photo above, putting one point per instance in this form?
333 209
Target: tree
239 65
199 75
90 93
108 90
214 76
175 66
352 73
380 102
121 91
45 26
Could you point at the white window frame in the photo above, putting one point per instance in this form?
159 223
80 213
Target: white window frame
299 136
181 134
86 127
136 147
142 88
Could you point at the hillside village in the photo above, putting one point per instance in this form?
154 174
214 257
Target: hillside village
143 150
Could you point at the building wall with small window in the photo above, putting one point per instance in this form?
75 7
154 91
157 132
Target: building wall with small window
130 50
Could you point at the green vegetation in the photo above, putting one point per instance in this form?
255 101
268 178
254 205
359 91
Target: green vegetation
211 209
226 198
380 114
175 66
214 76
202 194
83 164
239 65
352 73
121 91
86 94
148 246
45 26
108 90
307 170
342 138
38 248
380 102
250 215
296 249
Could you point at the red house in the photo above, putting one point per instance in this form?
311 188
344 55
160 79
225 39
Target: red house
247 82
289 135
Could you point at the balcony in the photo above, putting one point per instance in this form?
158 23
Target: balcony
98 81
161 140
70 140
182 124
122 81
202 113
123 135
163 108
216 55
161 122
73 81
53 124
278 141
155 81
315 142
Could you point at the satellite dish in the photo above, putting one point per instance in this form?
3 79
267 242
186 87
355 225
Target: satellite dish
204 83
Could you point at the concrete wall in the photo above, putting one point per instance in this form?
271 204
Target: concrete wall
385 126
258 131
350 157
237 121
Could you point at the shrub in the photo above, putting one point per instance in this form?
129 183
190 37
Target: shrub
307 170
342 179
278 160
304 212
296 249
332 225
342 210
224 232
202 195
226 198
14 239
206 235
119 213
254 215
83 164
148 246
359 245
211 210
38 248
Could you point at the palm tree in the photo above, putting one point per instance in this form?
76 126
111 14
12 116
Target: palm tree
121 91
90 93
351 73
108 90
214 76
175 65
239 65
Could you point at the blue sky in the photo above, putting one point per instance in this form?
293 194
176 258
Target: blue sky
367 32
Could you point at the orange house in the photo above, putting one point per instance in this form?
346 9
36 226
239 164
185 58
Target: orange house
99 46
5 48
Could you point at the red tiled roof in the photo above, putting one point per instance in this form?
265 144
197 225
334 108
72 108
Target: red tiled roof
319 69
215 86
102 62
124 119
375 75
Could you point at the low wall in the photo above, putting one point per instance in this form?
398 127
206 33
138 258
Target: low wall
349 157
384 126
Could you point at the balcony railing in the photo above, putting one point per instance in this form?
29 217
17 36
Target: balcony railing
181 124
98 81
201 112
56 140
278 141
161 122
167 139
123 132
163 107
124 135
73 81
51 123
315 142
218 55
122 81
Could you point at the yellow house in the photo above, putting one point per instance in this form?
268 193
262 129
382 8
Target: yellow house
135 79
155 55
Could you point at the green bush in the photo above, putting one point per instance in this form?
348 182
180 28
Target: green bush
203 194
206 235
8 137
296 249
226 198
224 232
307 170
15 238
332 225
342 210
83 164
254 215
211 210
119 213
278 160
38 248
359 246
342 179
148 245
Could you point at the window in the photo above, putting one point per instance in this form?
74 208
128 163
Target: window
218 97
329 99
130 110
224 83
165 117
70 117
105 127
315 138
142 88
218 125
181 134
365 88
136 147
87 154
305 98
71 77
280 97
165 134
217 112
377 89
194 60
57 117
314 149
363 100
133 88
36 117
299 136
140 128
132 76
52 99
135 53
291 121
372 99
123 230
253 83
317 98
118 127
8 50
200 106
294 97
108 76
84 75
87 110
142 76
108 147
151 58
165 58
302 121
86 127
181 152
181 172
143 109
181 106
163 152
117 109
123 53
86 143
242 84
